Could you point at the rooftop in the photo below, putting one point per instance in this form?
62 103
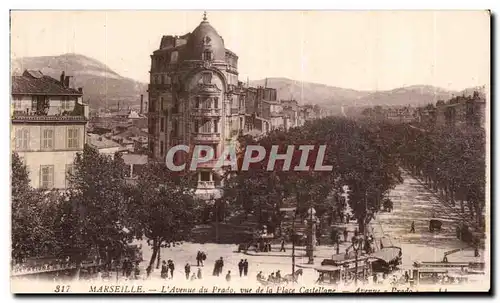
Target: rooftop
36 83
101 142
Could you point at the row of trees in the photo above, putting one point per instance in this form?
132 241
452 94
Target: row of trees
101 212
358 159
448 160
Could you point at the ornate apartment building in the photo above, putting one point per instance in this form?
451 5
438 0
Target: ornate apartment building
48 126
195 98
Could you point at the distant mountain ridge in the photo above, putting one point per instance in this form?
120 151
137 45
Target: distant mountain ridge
104 88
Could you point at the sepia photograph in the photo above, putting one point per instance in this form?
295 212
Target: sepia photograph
250 152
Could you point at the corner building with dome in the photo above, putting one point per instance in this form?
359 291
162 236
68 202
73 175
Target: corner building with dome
195 98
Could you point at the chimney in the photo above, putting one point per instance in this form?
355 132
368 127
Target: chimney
66 81
62 78
142 104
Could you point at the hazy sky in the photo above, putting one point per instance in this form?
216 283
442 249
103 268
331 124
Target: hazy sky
350 49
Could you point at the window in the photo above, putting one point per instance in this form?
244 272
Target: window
73 138
70 171
216 126
47 176
207 127
66 103
162 148
47 138
207 55
207 77
205 176
197 102
22 138
161 103
162 124
17 103
216 102
162 79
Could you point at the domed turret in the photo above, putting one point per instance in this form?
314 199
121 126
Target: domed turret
204 43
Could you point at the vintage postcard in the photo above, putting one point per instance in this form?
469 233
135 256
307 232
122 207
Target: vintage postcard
254 152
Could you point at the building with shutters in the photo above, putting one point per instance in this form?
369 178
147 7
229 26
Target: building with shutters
48 126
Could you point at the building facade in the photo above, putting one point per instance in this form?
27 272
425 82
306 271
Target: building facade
194 98
48 126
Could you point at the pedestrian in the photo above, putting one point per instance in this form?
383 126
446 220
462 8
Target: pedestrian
164 270
407 276
148 270
193 277
271 278
381 244
171 266
199 274
476 252
203 257
221 265
269 246
260 276
282 248
412 229
216 268
240 267
137 270
346 233
187 270
198 258
245 267
278 276
228 276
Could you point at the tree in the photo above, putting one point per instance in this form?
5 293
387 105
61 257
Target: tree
92 214
163 207
30 231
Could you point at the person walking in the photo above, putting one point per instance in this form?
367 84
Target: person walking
171 266
216 268
198 258
228 276
187 270
346 233
198 275
282 248
240 267
221 266
412 229
245 267
164 270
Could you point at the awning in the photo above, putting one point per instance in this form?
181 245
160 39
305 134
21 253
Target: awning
387 254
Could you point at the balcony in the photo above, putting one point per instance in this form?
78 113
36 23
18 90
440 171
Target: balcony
152 87
51 114
206 137
206 112
206 184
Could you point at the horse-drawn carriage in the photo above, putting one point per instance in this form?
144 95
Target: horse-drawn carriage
290 278
387 205
464 233
435 225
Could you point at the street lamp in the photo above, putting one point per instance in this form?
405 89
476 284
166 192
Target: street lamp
356 245
312 236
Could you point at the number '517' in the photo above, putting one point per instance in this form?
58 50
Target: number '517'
62 288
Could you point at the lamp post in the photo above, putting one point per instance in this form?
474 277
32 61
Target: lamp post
312 235
356 247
